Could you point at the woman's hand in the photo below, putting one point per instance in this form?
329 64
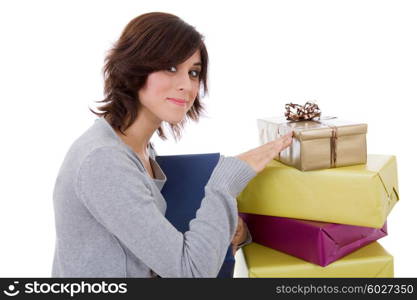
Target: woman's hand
240 236
259 157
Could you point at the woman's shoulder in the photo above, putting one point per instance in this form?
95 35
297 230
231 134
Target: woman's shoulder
96 136
97 140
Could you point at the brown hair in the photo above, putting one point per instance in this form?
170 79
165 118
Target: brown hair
150 42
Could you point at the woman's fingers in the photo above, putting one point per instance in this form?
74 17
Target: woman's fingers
259 157
240 236
283 142
240 233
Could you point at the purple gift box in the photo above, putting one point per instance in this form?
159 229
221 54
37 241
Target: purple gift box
317 242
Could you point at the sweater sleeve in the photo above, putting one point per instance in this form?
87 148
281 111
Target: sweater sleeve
117 194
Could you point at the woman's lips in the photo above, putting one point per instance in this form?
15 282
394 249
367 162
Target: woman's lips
180 102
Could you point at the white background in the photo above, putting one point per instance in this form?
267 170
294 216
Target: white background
357 59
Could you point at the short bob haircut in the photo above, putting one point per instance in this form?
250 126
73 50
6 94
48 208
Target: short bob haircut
150 42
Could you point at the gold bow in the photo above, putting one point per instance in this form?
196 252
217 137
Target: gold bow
311 112
297 112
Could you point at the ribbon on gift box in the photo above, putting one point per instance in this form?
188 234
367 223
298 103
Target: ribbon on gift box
306 112
310 111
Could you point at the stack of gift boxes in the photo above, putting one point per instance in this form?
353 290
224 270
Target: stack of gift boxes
319 207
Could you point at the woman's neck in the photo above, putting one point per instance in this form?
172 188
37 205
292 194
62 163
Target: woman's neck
138 135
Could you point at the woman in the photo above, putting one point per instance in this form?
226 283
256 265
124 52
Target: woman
109 211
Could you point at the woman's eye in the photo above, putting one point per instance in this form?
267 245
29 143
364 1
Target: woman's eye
172 69
195 73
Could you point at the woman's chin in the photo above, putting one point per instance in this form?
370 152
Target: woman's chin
174 121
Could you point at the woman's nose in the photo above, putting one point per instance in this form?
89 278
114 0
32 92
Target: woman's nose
184 82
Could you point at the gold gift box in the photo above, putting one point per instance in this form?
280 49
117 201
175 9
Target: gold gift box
322 144
370 261
361 195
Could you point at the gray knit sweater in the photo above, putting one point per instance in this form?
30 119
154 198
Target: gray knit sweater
109 214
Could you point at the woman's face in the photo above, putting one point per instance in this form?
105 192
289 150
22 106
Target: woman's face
169 94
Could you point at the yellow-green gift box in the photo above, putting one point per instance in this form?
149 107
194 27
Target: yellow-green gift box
361 195
371 261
